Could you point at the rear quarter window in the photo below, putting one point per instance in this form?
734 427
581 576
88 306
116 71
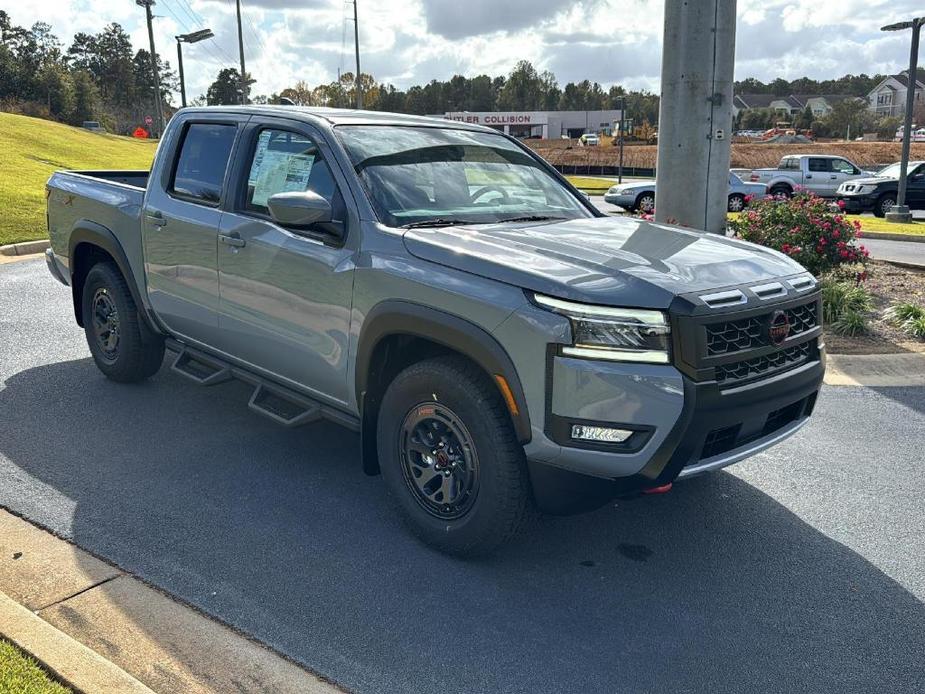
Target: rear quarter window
199 172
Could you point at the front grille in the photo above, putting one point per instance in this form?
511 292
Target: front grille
764 366
748 333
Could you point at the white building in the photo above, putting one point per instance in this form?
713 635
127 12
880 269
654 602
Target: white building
542 124
889 97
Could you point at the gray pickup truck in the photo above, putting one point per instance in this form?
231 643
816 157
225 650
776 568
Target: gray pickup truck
821 174
501 346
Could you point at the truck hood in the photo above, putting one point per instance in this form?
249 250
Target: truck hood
602 260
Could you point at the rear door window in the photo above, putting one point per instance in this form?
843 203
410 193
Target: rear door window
199 173
818 164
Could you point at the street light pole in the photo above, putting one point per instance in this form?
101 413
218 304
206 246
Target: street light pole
159 109
900 211
180 68
241 53
193 37
356 45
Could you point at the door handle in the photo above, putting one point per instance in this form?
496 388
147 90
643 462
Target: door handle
156 219
809 175
834 177
232 239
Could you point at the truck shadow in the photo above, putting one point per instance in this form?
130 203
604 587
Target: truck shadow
714 587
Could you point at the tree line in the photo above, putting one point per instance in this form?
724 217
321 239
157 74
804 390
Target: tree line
102 77
97 77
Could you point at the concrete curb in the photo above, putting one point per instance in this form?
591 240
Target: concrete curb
876 370
67 659
25 248
100 629
890 236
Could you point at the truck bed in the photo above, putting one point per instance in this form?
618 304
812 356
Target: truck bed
109 199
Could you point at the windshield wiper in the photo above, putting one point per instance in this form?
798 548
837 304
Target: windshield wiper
438 222
531 218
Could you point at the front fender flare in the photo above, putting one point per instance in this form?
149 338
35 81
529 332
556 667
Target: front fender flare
395 317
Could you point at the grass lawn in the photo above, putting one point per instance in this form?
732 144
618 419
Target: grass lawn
20 674
876 224
592 185
32 148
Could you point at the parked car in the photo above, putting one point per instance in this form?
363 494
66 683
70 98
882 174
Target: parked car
918 134
589 140
498 343
878 193
821 174
640 195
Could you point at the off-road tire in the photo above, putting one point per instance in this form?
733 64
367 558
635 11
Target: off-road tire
503 504
139 353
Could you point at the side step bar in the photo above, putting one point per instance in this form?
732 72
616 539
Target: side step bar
276 402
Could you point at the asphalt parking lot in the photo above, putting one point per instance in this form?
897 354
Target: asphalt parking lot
800 570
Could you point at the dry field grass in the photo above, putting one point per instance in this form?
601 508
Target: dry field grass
868 155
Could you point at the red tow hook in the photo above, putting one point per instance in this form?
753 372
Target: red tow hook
664 489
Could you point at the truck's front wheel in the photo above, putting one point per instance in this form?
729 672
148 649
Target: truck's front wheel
122 346
450 459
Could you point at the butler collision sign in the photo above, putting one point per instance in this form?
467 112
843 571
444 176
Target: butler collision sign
540 123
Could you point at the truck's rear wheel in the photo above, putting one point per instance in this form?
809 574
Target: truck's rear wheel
123 348
781 191
450 459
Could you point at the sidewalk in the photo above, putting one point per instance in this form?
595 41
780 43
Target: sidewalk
102 630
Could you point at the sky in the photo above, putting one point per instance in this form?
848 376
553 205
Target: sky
409 42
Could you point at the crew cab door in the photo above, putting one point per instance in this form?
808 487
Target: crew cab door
915 188
816 176
841 170
286 294
180 225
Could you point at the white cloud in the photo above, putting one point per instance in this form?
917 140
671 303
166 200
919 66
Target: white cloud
414 41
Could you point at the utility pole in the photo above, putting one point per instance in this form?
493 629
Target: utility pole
241 52
695 114
158 107
900 211
356 45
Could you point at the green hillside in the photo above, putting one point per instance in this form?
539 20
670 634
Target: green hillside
32 148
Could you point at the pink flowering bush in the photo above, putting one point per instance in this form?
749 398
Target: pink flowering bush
804 228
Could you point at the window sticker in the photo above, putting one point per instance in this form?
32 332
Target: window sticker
275 171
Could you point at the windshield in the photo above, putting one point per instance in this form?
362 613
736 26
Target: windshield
892 171
440 176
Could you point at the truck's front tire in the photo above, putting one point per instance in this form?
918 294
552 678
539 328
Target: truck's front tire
123 348
450 458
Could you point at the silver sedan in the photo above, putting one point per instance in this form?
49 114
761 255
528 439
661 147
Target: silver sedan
640 195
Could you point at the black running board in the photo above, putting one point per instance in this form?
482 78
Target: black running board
283 405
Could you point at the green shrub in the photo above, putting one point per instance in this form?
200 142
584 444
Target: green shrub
902 313
840 298
916 327
803 228
851 323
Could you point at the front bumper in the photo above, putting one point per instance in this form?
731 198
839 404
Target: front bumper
716 404
856 204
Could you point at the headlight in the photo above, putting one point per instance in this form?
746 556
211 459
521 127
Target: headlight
864 190
612 190
614 334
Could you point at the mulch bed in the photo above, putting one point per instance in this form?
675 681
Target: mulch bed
889 285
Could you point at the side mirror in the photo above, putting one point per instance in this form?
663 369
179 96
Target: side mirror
299 209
